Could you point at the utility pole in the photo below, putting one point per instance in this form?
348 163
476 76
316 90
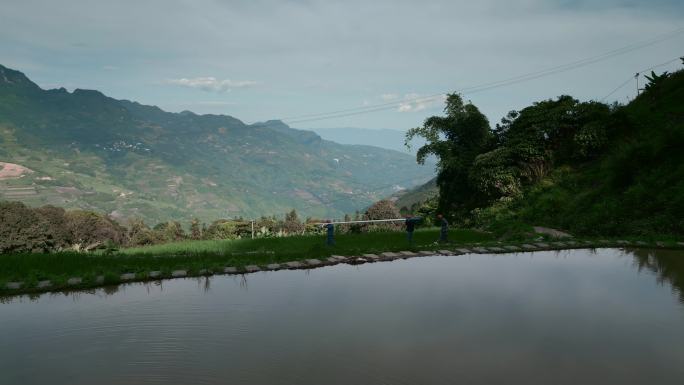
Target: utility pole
252 228
636 76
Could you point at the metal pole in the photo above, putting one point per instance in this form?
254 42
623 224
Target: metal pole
637 82
366 221
252 228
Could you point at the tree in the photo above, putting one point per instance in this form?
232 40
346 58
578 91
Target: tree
89 228
455 139
292 225
170 231
139 234
195 231
655 82
383 209
22 230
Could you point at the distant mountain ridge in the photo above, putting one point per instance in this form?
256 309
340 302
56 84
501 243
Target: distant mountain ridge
131 160
383 138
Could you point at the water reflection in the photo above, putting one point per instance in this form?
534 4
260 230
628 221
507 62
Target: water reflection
536 318
668 264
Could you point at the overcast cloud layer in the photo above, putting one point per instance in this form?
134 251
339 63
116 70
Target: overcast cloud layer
260 59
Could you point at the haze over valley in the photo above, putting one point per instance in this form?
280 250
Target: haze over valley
82 149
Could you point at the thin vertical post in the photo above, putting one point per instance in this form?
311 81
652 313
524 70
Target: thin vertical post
252 228
636 76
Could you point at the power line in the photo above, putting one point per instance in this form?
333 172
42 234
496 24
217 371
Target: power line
637 74
629 80
468 90
376 188
489 85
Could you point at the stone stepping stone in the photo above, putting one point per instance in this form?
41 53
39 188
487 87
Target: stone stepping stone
408 253
99 279
127 276
294 265
273 266
527 246
480 250
426 253
313 262
390 255
497 249
74 281
252 268
332 260
464 251
560 244
154 274
641 243
43 284
204 272
542 245
571 243
357 261
374 257
512 248
660 244
179 273
445 252
680 243
622 242
339 258
14 285
230 270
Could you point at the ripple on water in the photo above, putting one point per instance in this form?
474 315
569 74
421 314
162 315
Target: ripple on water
533 317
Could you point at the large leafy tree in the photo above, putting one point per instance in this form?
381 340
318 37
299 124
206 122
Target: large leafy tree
455 139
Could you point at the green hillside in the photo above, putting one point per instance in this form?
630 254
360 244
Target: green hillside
82 149
583 167
410 200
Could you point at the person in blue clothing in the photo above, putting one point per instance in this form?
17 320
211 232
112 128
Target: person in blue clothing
444 229
330 240
411 223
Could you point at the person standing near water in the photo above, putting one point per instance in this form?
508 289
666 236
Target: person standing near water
330 240
410 227
444 230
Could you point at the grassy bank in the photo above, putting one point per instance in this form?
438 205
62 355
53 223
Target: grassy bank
206 257
195 256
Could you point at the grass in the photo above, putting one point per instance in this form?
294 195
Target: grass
194 256
214 256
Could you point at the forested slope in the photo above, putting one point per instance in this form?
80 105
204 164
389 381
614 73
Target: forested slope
585 167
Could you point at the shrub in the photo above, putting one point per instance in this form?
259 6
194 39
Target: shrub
89 228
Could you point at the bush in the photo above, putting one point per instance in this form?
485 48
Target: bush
88 229
23 230
383 209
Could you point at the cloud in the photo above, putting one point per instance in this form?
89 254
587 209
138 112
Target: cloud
389 97
212 84
414 102
214 103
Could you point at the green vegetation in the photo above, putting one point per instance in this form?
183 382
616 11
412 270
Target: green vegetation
594 170
48 229
410 201
91 152
584 167
213 255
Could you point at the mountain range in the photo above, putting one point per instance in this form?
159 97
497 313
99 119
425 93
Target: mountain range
82 149
383 138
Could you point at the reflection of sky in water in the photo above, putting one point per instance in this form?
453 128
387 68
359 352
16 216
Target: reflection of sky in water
569 317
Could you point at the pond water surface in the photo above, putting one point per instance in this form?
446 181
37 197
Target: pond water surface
572 317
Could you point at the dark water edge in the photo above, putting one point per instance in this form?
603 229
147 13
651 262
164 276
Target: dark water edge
568 317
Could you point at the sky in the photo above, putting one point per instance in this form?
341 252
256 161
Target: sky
282 59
